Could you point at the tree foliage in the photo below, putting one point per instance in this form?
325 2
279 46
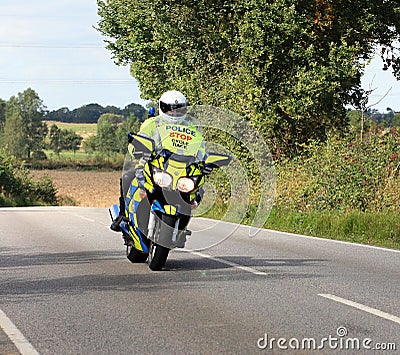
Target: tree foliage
107 126
112 133
91 113
131 124
24 131
18 188
14 137
291 66
344 174
2 115
64 139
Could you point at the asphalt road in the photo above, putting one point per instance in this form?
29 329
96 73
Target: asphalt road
66 287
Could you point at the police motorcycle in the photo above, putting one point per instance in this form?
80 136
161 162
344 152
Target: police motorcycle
157 213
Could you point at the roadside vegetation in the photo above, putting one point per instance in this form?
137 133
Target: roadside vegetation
343 189
19 188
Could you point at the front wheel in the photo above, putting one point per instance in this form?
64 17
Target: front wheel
164 230
157 257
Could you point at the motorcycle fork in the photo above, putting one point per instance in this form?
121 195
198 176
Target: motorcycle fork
152 226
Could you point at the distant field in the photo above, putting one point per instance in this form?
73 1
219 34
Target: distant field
78 156
84 188
84 130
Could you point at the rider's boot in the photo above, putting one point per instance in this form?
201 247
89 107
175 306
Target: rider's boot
115 225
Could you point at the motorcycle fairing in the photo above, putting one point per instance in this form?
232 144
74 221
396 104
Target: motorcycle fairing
132 200
166 209
177 166
173 236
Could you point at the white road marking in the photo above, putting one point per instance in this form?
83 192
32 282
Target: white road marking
20 342
362 307
83 217
326 240
226 262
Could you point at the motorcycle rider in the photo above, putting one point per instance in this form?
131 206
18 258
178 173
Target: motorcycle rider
172 111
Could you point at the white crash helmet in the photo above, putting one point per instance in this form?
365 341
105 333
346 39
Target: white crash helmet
173 107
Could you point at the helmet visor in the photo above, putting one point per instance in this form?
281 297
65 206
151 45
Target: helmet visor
173 110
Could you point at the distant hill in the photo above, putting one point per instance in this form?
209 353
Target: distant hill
90 113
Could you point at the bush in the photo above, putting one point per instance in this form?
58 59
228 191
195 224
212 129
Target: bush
344 174
80 162
39 155
18 188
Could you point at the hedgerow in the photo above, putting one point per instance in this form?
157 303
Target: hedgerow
18 188
344 174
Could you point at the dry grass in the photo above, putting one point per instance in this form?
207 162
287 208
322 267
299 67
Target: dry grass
84 188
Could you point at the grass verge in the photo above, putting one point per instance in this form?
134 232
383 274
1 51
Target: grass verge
380 229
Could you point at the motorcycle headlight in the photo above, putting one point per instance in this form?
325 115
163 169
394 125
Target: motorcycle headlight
162 178
185 184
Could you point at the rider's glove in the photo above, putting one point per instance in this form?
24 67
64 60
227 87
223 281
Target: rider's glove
207 170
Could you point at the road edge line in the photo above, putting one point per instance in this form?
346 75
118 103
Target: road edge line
362 307
16 337
226 262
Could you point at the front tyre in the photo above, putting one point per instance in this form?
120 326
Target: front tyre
164 230
157 257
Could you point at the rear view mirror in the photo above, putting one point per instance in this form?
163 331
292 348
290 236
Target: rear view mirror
216 160
140 146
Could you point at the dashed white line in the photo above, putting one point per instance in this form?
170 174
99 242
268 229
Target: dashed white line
226 262
83 217
20 342
362 307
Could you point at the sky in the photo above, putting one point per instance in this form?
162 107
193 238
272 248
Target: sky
53 48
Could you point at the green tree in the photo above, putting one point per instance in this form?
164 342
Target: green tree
2 115
90 145
64 139
14 136
70 140
107 126
25 111
291 66
131 124
55 139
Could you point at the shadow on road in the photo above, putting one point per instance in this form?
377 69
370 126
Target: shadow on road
11 258
42 273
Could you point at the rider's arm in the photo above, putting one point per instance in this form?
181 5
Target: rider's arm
147 129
